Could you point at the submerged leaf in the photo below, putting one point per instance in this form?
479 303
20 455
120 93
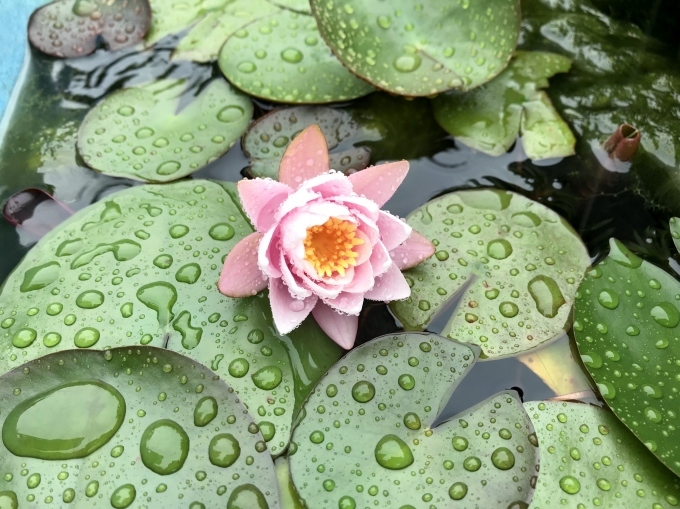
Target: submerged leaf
626 327
91 425
446 45
511 265
140 134
368 431
283 58
588 459
491 117
70 28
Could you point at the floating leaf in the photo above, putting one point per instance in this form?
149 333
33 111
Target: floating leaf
204 40
491 117
130 424
514 264
448 45
283 58
626 326
70 28
368 433
301 6
268 137
141 267
588 459
138 132
170 17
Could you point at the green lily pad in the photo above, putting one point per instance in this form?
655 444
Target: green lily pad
136 425
283 58
447 45
514 264
589 459
138 133
626 327
204 40
71 28
268 137
141 267
294 5
367 436
170 17
490 118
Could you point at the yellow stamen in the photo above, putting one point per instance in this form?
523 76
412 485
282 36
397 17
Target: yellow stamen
330 246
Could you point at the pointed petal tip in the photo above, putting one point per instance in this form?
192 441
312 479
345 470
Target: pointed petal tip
241 276
379 183
340 328
415 250
305 158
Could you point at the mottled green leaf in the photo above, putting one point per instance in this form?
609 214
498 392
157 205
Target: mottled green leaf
171 17
140 134
283 58
511 265
421 49
368 434
141 267
589 459
129 427
626 326
491 117
204 40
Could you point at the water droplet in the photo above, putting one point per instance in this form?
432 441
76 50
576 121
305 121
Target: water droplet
458 490
92 489
164 447
472 463
189 273
86 337
238 368
230 114
24 337
363 391
570 485
179 230
603 484
499 249
607 390
247 67
168 168
407 63
224 450
205 411
666 314
407 382
247 496
503 458
291 55
268 378
90 299
608 299
412 421
40 277
508 309
547 295
221 231
575 453
459 443
160 297
393 453
123 496
653 415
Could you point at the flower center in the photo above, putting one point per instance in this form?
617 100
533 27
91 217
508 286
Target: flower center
330 246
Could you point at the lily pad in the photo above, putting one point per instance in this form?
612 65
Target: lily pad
171 17
268 137
491 117
139 133
447 45
589 459
294 5
511 265
368 438
204 40
141 267
283 58
71 28
130 424
626 321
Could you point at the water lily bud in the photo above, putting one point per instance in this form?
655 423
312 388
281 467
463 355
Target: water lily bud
624 143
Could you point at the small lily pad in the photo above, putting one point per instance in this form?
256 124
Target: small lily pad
514 265
141 268
204 40
283 58
268 137
125 425
626 319
491 117
589 459
138 133
70 28
421 49
368 433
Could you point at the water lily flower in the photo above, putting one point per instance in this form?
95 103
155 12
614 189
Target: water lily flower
322 243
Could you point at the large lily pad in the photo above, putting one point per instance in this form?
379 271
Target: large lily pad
511 264
491 117
140 134
204 40
421 49
368 437
589 459
626 327
71 28
141 267
129 427
283 58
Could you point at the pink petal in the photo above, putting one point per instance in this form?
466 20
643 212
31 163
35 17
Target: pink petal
294 287
393 231
390 286
380 260
363 250
267 253
363 279
379 183
348 303
359 204
261 198
241 276
305 158
416 249
340 328
329 185
288 312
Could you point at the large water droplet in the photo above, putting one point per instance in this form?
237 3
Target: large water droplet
224 450
412 421
188 273
24 337
526 219
160 297
247 496
291 55
363 391
268 378
608 299
164 447
90 299
86 337
70 421
238 368
458 490
570 485
168 168
547 295
407 63
666 314
40 277
230 114
8 500
499 249
503 458
123 496
393 453
222 231
205 411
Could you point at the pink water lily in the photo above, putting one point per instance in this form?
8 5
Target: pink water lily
322 243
